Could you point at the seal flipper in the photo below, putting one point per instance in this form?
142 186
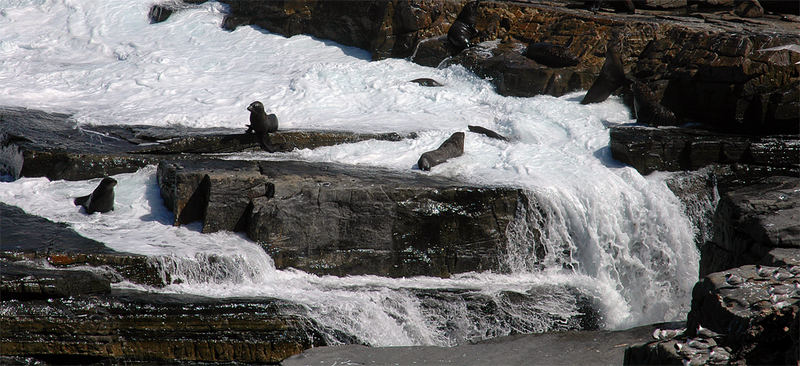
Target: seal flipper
264 142
81 201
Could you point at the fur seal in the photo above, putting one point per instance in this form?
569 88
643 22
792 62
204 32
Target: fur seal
618 5
450 148
612 76
262 124
552 55
101 199
487 132
427 82
648 109
463 28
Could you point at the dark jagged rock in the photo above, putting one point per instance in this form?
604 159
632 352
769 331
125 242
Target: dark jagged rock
670 149
487 132
516 75
399 223
549 54
451 148
133 326
159 13
749 9
751 221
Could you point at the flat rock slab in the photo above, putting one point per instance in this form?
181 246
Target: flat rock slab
345 220
558 348
136 326
671 149
32 238
52 145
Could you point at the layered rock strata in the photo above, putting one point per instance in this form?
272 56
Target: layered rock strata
336 219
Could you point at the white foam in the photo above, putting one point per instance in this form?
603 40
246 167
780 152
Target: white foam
618 237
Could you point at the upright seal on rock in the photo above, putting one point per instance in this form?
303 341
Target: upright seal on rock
450 148
612 76
262 124
463 28
101 199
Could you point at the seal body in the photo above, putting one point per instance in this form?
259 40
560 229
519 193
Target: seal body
463 28
487 132
648 109
427 82
450 148
101 199
552 55
261 124
612 76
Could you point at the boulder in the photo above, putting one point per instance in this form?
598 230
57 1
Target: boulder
316 217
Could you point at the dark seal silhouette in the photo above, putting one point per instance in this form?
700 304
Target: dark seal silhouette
450 148
648 109
552 55
261 124
427 82
618 5
101 199
463 28
611 77
487 132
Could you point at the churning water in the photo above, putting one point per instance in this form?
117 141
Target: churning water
608 237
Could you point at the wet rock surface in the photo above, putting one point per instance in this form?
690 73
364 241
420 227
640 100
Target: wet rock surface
365 220
52 145
672 149
129 326
556 348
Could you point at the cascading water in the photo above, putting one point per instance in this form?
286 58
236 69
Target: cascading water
595 243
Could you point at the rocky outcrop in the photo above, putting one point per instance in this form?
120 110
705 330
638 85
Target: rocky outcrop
705 67
24 237
315 217
52 145
751 221
127 326
742 311
671 149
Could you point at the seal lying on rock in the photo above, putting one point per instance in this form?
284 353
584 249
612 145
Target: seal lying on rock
487 132
262 124
463 28
552 55
101 199
612 77
450 148
427 82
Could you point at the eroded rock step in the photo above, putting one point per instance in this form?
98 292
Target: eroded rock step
345 220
